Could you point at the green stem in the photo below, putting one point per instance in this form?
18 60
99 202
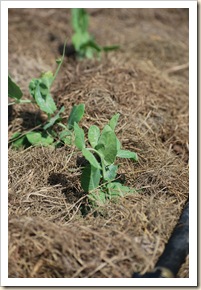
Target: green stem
102 160
63 126
20 102
60 63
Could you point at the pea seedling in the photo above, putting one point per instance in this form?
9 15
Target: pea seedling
98 176
39 89
84 43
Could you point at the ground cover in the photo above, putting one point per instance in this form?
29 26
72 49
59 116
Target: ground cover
53 230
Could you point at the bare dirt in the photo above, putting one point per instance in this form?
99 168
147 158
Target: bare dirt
146 81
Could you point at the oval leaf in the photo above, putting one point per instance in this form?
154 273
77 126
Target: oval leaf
93 135
76 115
116 189
18 140
113 122
14 90
90 157
97 198
40 93
111 172
90 178
107 146
127 154
79 137
36 138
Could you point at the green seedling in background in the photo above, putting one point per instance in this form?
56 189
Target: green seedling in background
84 43
98 176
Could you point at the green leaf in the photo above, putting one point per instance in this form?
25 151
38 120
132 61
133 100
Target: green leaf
36 138
68 140
14 90
107 146
89 49
21 142
92 44
79 136
76 115
93 135
106 129
54 119
15 136
18 141
47 79
127 154
39 89
64 134
66 137
113 122
89 53
91 158
90 178
97 198
116 189
80 40
80 19
110 172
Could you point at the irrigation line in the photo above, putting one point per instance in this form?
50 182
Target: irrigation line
176 250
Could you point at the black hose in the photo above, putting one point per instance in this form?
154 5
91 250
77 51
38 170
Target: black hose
176 250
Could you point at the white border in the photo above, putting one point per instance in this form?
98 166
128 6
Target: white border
192 280
98 4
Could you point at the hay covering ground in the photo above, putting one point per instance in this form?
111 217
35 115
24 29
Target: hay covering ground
147 82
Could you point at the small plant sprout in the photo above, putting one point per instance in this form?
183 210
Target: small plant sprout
39 89
83 42
47 136
98 176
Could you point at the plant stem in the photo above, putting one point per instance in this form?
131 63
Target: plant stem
23 134
21 102
62 125
102 160
60 63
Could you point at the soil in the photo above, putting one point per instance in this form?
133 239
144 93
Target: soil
146 81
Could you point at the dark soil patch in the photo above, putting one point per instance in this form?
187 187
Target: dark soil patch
146 81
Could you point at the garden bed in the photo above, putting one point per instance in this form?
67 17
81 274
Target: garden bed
146 81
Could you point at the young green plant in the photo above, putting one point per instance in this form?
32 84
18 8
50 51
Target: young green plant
98 176
47 135
83 42
39 89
